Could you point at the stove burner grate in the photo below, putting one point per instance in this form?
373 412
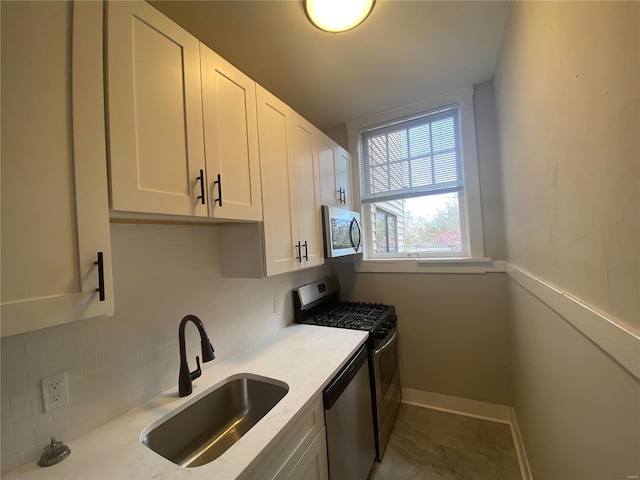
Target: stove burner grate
357 316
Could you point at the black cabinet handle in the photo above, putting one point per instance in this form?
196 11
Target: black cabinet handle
306 251
344 195
100 264
219 183
201 196
299 256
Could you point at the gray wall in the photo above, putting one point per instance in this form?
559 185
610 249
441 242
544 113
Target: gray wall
453 328
567 87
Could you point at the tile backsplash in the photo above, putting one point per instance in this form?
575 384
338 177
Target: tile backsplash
116 363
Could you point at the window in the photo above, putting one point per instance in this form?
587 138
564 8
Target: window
418 180
386 225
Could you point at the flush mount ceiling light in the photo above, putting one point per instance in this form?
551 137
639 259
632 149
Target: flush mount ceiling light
337 15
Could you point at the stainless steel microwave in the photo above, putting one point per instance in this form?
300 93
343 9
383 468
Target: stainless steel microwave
342 232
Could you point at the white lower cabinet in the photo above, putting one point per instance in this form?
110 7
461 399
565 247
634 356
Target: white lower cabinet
313 463
300 452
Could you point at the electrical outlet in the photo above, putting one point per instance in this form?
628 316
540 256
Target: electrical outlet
277 303
54 391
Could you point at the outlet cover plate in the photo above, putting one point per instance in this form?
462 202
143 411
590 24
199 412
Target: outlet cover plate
54 391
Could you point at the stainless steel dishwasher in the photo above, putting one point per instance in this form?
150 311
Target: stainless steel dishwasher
349 420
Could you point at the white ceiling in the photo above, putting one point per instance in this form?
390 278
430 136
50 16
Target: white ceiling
404 52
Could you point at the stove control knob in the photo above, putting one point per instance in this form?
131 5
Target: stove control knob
380 334
393 319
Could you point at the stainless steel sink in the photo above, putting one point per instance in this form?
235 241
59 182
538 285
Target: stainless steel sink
208 427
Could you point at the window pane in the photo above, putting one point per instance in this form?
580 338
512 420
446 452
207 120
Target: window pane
421 173
379 179
445 167
378 150
392 239
419 225
419 140
417 155
397 142
381 232
443 134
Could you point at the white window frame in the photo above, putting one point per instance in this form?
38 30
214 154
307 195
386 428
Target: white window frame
469 197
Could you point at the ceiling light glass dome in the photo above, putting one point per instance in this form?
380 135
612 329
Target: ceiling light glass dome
337 15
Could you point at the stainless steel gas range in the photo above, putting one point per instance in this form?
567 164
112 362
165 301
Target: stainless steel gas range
318 303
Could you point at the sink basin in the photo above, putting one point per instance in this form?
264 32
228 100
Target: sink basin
209 426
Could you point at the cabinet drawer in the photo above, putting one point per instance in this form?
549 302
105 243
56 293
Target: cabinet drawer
285 454
313 464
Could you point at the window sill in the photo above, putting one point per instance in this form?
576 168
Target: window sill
430 265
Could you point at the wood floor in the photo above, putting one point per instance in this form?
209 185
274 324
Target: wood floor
428 444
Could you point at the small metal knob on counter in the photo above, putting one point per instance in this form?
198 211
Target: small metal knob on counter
54 453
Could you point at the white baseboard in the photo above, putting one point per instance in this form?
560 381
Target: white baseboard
475 409
525 471
457 405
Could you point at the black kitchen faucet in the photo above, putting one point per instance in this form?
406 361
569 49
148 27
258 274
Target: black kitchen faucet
186 377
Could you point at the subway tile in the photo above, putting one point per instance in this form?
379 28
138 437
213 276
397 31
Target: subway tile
13 350
24 427
6 434
9 462
32 452
31 392
19 443
52 429
12 415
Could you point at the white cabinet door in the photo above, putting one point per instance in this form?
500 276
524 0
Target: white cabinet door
334 173
292 222
155 113
55 213
281 245
303 155
327 150
231 139
343 178
313 464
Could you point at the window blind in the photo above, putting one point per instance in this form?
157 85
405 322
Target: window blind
411 158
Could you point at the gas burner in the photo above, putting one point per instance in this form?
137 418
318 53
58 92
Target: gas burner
357 316
318 304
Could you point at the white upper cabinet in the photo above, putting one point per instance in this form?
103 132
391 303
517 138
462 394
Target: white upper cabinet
334 173
292 228
304 157
343 178
55 212
281 244
155 113
231 139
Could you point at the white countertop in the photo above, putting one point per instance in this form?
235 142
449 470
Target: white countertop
305 357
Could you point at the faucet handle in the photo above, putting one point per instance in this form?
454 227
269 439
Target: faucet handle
197 372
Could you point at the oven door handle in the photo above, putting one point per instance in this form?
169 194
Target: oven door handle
381 350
